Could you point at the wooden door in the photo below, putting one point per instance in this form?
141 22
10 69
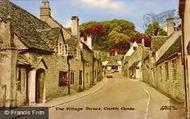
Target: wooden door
40 77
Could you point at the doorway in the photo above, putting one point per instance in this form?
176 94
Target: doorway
40 78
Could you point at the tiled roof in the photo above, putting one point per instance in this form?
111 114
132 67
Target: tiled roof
157 42
117 57
72 43
24 25
112 60
127 58
34 62
65 29
175 48
51 36
112 63
22 60
145 53
135 64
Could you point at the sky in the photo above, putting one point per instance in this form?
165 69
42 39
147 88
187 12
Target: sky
100 10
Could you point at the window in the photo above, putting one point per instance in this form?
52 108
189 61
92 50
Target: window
160 73
80 77
77 53
188 48
1 42
65 50
60 48
72 78
174 69
63 80
87 78
134 48
167 71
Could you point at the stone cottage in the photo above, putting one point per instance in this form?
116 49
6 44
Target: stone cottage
72 40
98 68
132 61
39 59
149 58
114 63
81 64
37 55
164 63
92 67
126 58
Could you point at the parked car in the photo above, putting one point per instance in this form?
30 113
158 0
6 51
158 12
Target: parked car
109 74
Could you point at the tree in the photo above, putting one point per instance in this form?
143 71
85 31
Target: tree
122 47
108 33
116 37
154 29
138 38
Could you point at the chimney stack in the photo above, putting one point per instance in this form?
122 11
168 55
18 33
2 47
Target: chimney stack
143 42
170 26
45 10
75 26
89 42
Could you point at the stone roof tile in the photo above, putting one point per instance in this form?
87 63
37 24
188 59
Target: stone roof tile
51 36
175 48
157 42
24 25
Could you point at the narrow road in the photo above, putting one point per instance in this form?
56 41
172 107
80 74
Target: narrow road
120 98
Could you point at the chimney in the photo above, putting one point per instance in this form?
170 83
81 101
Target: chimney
45 10
75 26
143 43
115 53
89 42
170 26
82 39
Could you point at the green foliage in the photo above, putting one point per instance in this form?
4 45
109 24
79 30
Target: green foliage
154 29
117 37
108 34
139 37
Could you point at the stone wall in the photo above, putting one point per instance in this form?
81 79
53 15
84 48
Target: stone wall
76 67
8 58
55 63
167 77
88 67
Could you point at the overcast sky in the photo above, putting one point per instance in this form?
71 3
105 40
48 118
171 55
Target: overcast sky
100 10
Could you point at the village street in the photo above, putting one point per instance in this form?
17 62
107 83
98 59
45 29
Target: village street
120 98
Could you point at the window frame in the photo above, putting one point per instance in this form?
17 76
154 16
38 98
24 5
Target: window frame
65 50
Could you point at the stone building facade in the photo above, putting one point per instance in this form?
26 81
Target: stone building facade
162 67
88 66
35 56
184 12
132 61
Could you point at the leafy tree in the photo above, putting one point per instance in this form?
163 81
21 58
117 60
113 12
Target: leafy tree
122 47
116 37
154 29
138 38
108 33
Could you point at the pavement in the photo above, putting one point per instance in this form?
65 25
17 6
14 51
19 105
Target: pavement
69 98
116 98
159 100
